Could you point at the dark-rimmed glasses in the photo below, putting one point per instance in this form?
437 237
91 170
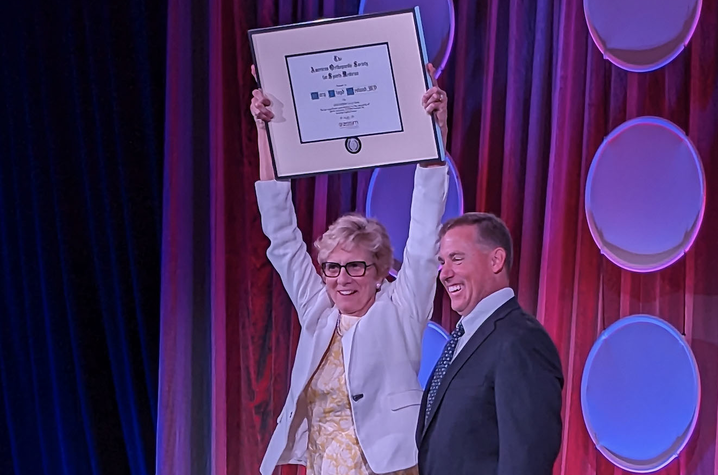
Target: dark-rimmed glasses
354 268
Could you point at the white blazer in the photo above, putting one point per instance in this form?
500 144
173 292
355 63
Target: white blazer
382 351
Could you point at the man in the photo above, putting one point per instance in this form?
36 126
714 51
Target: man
493 403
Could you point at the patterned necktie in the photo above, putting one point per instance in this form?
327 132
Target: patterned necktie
441 366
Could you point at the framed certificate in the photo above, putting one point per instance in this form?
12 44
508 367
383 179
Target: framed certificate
346 93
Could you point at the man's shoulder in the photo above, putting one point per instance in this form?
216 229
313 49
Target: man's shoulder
521 336
520 325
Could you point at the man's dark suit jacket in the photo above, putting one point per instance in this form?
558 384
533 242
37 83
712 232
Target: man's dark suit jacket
498 408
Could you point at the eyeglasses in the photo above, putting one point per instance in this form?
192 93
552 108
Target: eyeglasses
354 269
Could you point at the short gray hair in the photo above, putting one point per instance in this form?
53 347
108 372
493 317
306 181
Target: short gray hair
353 229
490 229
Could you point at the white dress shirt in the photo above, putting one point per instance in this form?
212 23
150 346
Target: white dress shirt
480 314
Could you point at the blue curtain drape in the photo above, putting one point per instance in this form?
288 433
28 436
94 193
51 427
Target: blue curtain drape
81 150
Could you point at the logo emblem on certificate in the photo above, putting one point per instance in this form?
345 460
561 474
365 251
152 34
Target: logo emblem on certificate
353 145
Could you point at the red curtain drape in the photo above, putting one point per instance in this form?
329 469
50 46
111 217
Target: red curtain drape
531 100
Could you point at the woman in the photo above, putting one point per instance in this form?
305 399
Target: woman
354 397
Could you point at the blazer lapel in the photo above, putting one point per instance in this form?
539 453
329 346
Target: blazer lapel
321 340
481 334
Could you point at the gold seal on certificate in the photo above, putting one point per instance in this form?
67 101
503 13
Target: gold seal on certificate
346 93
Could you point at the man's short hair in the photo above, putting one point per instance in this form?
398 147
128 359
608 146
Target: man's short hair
490 229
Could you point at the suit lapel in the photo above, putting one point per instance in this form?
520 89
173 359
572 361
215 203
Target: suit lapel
422 410
481 334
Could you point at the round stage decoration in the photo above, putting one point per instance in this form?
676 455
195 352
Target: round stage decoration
432 345
641 35
640 393
645 194
389 201
438 24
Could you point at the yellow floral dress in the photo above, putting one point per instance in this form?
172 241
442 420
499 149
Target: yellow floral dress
333 448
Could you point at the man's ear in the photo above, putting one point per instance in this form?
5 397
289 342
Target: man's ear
498 260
